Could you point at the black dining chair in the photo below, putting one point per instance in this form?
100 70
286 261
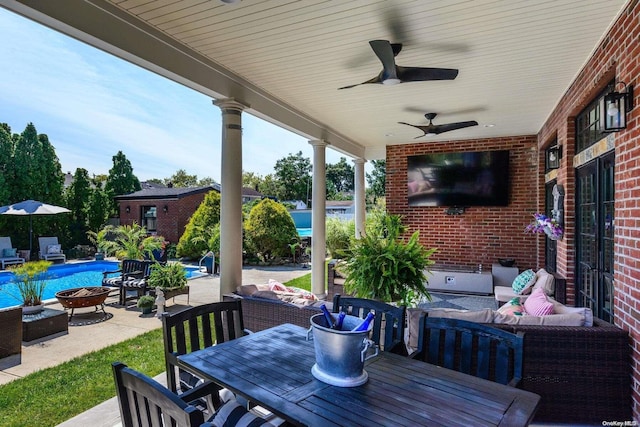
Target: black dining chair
388 324
144 402
193 329
472 348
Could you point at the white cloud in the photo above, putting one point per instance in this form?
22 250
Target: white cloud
91 105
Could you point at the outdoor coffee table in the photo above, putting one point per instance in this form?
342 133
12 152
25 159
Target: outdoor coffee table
272 368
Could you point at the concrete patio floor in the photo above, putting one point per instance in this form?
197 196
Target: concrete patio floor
125 323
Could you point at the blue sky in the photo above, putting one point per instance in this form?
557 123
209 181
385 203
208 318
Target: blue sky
92 104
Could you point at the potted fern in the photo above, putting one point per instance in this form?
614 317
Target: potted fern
171 278
382 266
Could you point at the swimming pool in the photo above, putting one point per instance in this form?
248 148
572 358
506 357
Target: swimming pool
66 276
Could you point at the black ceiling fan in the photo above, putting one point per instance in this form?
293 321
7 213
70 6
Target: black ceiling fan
394 74
432 129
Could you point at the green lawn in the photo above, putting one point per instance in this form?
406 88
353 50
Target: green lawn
53 395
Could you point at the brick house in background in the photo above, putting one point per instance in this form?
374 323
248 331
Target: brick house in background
165 211
162 211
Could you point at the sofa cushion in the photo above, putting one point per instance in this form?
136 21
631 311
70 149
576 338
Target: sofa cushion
569 319
537 304
544 281
523 281
583 311
54 249
9 252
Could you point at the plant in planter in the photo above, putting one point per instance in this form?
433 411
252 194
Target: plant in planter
30 278
382 266
145 303
171 278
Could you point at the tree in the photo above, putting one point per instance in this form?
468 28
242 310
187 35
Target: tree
340 175
182 179
78 196
121 180
376 179
270 186
6 166
98 208
294 175
195 240
269 230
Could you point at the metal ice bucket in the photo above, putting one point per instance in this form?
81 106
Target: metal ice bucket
340 355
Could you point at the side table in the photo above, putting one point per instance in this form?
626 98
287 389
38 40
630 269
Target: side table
47 322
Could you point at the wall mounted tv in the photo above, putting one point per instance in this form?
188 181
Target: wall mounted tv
478 178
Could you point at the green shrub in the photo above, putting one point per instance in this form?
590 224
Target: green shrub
339 235
171 275
269 230
193 242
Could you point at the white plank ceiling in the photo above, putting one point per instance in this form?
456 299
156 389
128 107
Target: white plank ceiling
515 58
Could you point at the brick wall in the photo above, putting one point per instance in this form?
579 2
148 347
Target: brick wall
618 55
170 224
482 234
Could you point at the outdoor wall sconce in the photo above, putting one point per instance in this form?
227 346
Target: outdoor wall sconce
554 154
127 209
615 106
165 209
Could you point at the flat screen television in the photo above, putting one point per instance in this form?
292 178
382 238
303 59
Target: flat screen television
479 178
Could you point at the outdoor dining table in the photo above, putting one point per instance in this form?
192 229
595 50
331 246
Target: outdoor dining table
272 368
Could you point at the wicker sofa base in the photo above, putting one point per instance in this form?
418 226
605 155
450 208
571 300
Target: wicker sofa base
11 332
259 313
583 374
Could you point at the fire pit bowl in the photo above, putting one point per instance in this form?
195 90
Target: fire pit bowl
83 297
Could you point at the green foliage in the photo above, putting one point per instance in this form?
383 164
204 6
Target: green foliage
104 240
338 236
30 278
50 396
30 170
172 275
132 242
382 266
294 174
194 241
377 180
146 301
78 195
121 179
340 177
269 230
98 207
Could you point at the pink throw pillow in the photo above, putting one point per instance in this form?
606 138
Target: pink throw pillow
274 285
537 304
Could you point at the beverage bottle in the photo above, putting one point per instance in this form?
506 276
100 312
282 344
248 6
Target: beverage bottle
327 316
340 320
365 323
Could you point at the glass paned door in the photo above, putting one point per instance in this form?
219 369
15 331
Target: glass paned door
595 235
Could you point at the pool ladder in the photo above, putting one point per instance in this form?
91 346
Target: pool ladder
213 264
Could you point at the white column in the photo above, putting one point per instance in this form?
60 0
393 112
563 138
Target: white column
230 196
318 216
360 197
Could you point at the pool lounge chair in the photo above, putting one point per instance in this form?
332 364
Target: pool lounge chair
9 256
50 249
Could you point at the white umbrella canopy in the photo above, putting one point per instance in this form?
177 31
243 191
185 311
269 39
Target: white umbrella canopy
31 207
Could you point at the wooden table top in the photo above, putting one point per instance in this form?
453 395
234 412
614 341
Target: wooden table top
273 369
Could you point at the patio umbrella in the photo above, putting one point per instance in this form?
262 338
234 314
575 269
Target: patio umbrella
31 207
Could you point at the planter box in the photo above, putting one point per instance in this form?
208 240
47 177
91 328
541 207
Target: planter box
47 322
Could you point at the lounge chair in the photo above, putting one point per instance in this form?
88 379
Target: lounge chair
8 254
133 276
50 249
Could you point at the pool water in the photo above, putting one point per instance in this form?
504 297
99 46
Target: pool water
304 232
66 276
